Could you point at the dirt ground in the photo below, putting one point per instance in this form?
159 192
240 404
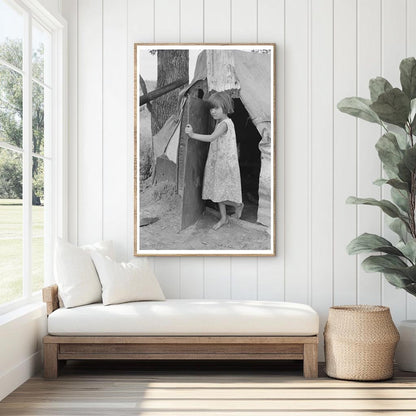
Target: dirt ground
161 201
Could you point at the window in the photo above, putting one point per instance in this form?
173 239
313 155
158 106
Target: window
31 142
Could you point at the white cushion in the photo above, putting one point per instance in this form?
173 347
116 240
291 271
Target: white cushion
75 273
126 282
103 247
180 317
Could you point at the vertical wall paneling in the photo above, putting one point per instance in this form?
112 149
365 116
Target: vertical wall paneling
192 31
271 29
321 148
217 278
217 28
394 38
167 21
140 20
90 128
369 167
296 152
411 28
217 21
167 270
411 51
244 30
244 27
115 156
192 278
345 151
326 50
70 11
167 29
393 51
244 278
192 22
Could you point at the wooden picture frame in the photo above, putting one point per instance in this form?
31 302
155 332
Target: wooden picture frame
173 84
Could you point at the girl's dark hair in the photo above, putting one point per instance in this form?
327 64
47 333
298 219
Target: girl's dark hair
223 100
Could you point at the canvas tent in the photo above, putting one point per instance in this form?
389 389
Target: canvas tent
246 76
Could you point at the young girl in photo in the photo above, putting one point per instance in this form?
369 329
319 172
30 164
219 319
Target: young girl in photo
222 183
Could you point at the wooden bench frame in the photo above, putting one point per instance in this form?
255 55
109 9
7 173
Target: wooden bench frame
58 349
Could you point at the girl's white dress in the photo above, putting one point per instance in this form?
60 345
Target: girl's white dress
222 180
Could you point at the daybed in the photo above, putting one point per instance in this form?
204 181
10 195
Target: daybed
181 329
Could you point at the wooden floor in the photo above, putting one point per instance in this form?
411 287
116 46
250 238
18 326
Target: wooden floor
228 389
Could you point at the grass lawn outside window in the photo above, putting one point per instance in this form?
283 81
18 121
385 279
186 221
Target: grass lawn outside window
11 249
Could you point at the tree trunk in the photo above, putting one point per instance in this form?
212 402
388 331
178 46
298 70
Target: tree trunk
35 167
171 66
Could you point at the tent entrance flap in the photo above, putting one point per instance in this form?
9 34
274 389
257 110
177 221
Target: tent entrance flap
192 155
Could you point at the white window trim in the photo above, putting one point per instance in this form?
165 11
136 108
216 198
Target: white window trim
59 143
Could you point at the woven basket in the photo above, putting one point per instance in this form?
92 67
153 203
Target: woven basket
360 341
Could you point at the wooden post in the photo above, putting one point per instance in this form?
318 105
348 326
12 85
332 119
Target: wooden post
152 95
50 360
310 360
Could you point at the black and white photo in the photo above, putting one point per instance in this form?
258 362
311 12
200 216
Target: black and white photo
205 149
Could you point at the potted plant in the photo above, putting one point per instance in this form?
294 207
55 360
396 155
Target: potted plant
394 109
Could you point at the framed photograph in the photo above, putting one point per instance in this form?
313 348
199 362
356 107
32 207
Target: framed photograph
205 145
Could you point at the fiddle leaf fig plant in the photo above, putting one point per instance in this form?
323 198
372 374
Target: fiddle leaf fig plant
394 109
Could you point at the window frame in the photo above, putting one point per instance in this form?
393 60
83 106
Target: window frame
57 226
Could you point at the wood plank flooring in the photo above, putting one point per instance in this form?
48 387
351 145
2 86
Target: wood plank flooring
206 388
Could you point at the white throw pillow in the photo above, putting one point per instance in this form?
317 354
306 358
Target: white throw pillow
104 247
75 273
126 282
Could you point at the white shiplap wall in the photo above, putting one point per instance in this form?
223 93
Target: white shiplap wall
326 50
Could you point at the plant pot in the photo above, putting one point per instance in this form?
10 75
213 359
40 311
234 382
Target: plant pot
406 350
360 341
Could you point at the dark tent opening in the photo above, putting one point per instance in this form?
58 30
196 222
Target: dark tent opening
248 139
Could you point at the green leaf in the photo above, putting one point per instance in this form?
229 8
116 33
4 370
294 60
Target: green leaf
400 198
389 151
397 280
388 207
366 243
392 107
390 173
381 263
400 228
378 86
412 109
402 139
408 77
408 249
359 107
395 183
410 272
404 173
380 182
410 158
398 184
411 289
412 115
396 271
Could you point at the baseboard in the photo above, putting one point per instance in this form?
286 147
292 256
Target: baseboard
10 380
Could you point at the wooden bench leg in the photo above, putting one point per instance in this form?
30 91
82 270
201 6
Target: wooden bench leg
310 360
50 360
